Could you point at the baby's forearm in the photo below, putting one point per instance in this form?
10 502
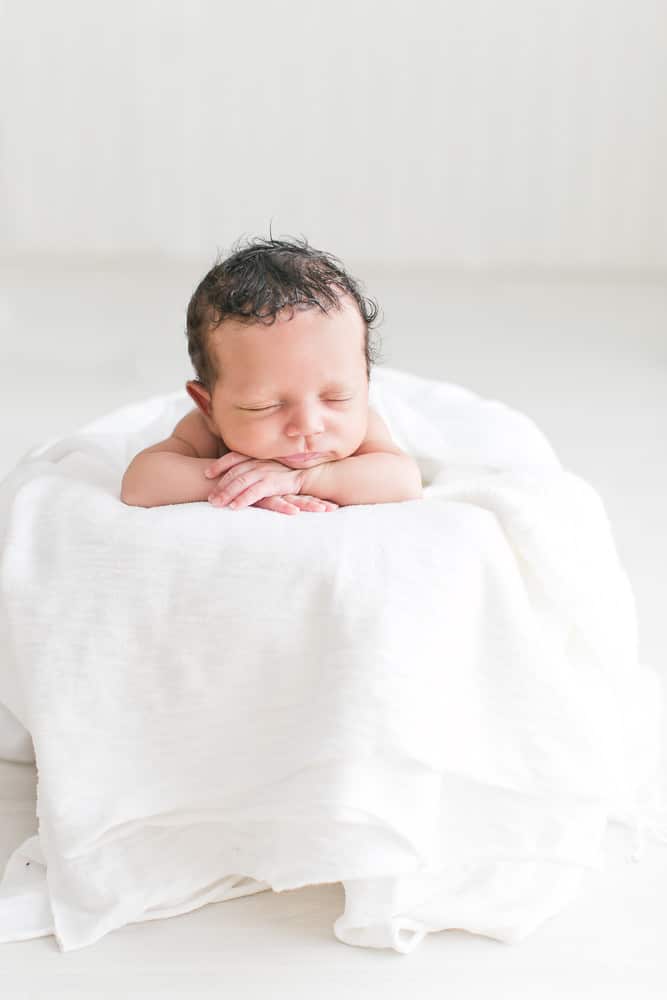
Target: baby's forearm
377 477
164 477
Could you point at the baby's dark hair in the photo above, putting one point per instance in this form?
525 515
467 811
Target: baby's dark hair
261 278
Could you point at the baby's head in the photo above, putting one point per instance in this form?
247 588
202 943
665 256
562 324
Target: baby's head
280 338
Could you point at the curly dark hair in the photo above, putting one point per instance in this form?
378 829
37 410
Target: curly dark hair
258 280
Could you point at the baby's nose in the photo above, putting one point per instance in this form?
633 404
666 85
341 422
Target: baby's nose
306 420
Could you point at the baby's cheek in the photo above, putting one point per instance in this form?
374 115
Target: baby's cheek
358 435
245 440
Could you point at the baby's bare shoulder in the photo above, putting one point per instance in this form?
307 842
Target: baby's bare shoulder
194 431
378 436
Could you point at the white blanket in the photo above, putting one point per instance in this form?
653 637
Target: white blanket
436 702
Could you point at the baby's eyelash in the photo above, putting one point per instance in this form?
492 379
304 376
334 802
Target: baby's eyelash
260 409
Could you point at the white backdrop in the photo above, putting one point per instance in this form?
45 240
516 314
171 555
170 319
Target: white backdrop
523 133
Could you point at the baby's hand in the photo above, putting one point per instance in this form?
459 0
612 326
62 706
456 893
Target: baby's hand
292 503
243 481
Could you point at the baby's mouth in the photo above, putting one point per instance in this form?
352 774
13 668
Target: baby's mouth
303 457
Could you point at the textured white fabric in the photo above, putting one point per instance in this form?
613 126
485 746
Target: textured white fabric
436 702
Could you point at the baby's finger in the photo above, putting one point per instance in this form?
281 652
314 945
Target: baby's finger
277 504
307 502
224 464
246 497
322 504
311 504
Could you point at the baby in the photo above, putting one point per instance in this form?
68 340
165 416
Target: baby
278 335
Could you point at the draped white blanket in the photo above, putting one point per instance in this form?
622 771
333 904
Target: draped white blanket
436 702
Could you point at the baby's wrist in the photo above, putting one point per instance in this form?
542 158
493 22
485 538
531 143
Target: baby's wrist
309 480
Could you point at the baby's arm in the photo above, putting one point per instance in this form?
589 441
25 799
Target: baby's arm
374 477
378 472
172 471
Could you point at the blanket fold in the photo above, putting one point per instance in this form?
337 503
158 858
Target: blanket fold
437 702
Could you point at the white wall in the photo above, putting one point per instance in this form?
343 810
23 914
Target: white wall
473 132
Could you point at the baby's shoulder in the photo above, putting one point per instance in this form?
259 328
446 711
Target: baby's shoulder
194 430
378 436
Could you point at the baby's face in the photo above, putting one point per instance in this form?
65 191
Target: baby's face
295 387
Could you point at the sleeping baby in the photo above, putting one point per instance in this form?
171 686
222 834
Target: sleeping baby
278 335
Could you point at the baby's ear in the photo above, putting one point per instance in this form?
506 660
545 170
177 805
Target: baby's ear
200 395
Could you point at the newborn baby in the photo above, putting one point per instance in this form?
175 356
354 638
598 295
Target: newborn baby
278 335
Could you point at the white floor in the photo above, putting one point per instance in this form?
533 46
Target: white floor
588 362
